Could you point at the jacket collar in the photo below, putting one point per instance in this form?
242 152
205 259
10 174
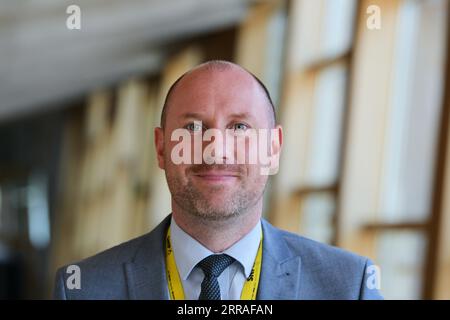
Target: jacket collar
280 271
146 274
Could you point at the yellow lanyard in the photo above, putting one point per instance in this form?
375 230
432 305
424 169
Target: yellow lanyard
176 288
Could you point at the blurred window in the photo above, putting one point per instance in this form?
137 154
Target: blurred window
322 42
402 226
383 206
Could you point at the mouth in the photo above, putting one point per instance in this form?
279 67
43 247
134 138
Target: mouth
216 176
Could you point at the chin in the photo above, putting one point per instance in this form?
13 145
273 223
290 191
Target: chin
216 214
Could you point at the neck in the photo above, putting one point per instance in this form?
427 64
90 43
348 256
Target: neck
215 235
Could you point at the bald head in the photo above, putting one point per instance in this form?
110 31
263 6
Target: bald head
220 66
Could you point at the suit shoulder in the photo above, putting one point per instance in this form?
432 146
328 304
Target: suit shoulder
118 254
314 251
328 272
102 275
108 263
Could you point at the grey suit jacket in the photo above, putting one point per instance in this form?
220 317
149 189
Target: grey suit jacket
293 268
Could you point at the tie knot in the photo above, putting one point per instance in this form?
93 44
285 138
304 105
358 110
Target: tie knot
214 264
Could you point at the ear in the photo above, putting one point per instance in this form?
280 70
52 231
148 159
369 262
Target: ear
159 145
275 151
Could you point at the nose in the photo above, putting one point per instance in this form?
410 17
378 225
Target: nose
223 147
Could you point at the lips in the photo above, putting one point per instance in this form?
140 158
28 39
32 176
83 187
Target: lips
217 173
216 176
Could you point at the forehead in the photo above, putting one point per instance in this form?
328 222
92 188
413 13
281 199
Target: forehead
217 92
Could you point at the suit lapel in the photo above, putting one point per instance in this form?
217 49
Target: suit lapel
146 274
280 272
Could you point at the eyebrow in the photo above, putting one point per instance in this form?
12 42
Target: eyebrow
232 116
241 115
191 115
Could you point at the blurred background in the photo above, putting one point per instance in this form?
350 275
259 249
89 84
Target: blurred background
361 88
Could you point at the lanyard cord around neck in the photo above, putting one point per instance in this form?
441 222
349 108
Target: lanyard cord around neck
175 286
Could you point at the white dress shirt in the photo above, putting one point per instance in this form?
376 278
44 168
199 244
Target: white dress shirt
188 252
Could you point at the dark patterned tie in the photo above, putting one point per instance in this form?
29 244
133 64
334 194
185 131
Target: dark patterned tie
212 267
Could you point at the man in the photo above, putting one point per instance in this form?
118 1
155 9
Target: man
215 245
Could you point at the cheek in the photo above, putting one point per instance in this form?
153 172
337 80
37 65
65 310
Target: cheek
254 148
172 169
254 176
175 169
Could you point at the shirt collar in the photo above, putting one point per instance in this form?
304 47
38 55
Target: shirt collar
189 252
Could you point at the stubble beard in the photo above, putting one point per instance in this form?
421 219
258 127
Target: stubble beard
218 204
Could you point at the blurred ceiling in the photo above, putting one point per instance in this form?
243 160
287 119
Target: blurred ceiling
43 63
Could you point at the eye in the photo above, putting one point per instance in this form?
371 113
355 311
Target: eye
240 127
194 127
